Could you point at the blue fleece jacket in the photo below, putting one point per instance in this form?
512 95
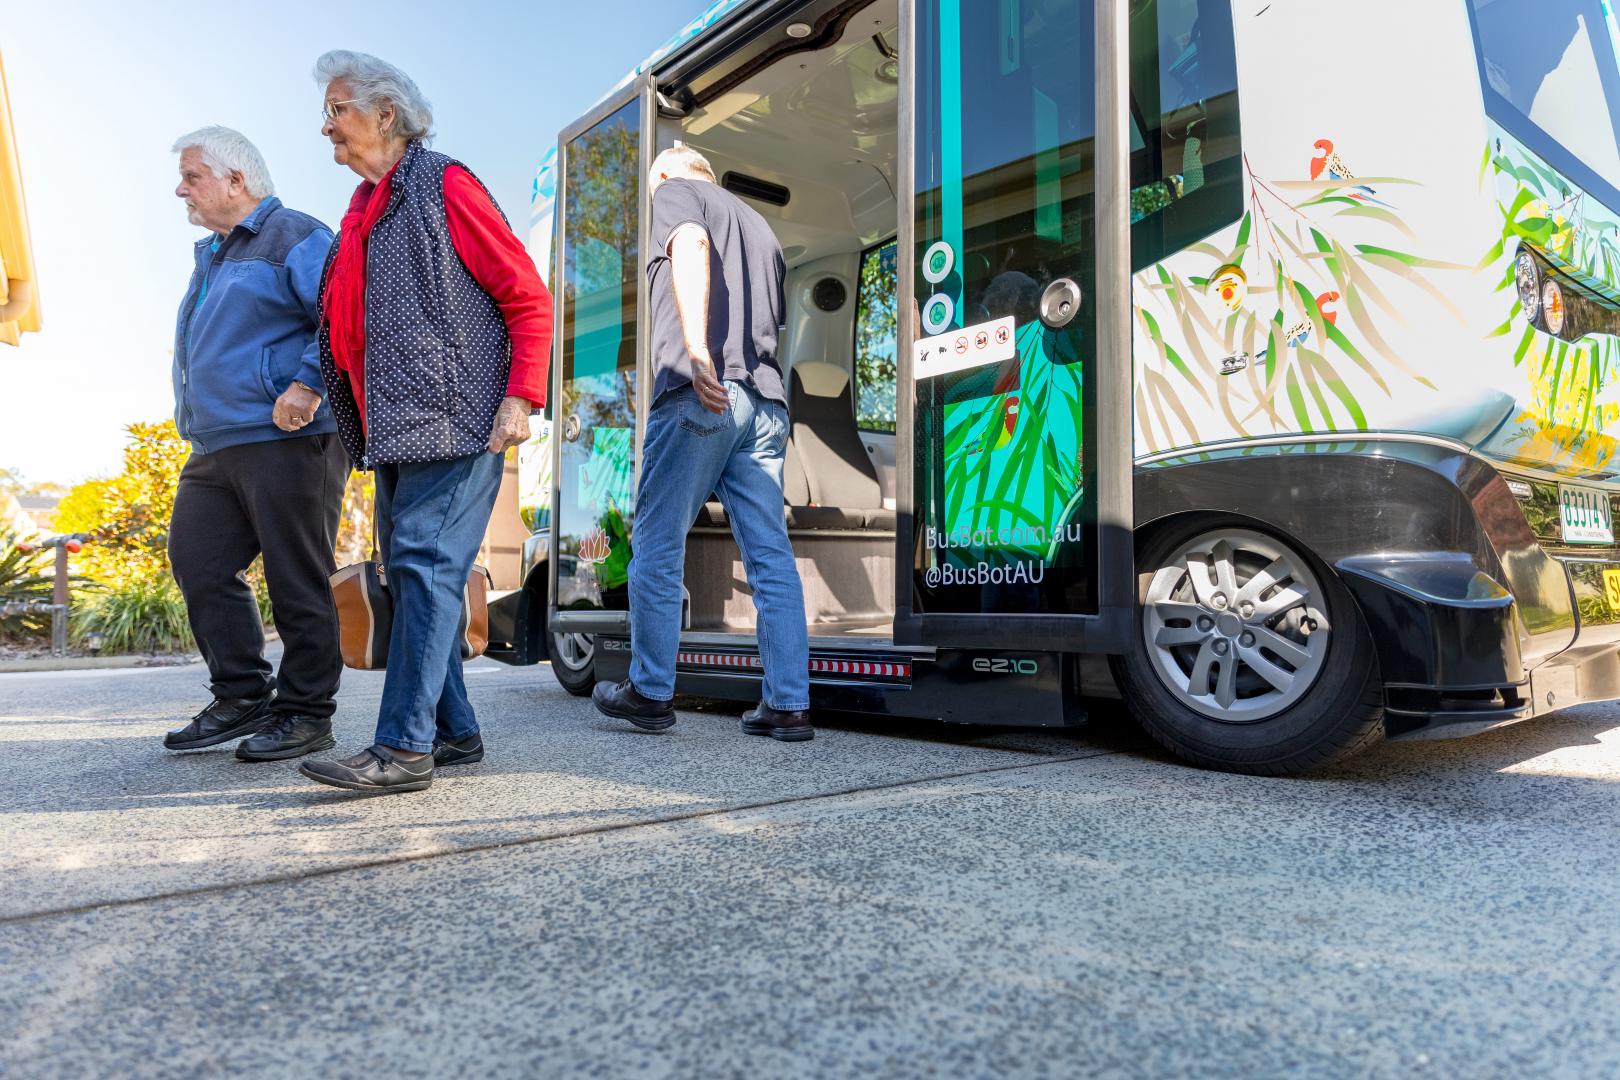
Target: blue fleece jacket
247 328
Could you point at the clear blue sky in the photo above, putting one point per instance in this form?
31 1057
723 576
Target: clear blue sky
100 90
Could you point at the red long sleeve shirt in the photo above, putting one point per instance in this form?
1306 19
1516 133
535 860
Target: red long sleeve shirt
497 260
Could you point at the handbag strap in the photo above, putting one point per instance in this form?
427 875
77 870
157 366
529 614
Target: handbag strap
375 525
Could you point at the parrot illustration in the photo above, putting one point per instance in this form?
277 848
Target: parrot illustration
1328 161
1300 332
1009 422
1231 286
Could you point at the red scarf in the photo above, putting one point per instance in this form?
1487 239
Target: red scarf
346 287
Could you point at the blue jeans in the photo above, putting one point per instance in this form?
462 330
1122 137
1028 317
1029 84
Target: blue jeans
431 517
688 453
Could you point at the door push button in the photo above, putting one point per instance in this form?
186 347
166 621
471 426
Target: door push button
1060 303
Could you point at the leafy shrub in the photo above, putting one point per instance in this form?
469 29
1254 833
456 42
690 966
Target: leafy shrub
127 516
136 617
24 576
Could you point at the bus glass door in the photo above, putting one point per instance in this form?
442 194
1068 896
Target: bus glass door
1019 439
597 404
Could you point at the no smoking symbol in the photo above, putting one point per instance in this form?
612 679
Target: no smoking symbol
981 339
961 345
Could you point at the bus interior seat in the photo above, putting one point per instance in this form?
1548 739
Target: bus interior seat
829 481
827 466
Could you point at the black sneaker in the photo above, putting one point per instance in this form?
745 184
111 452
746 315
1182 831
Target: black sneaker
465 751
287 735
373 769
785 726
223 720
624 702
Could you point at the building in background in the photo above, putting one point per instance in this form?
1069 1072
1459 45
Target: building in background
19 292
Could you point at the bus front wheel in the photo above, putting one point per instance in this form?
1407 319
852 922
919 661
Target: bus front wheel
573 661
1248 655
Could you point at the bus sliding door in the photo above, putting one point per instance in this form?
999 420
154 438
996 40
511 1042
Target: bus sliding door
1015 406
597 404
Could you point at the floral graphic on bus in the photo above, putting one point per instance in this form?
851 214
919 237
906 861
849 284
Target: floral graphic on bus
595 547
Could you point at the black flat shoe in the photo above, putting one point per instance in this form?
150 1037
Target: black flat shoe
372 769
624 702
467 751
223 720
783 726
287 735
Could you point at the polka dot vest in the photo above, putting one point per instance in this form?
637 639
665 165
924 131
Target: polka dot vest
437 352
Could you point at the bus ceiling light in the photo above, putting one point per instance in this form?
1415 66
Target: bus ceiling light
1527 279
1552 307
798 30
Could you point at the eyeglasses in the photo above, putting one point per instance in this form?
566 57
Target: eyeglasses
330 110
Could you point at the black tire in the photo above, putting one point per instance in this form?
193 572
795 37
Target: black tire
575 667
1340 714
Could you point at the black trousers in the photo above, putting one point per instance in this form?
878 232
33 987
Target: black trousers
280 498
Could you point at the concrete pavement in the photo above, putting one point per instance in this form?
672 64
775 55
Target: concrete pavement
886 900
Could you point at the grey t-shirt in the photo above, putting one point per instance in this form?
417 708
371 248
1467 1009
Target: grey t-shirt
746 308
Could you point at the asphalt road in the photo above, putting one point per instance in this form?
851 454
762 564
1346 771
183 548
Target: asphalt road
897 901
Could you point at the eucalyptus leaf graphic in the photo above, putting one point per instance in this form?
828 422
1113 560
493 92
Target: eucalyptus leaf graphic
1320 297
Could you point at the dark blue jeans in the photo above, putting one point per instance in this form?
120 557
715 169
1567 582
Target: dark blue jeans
688 453
431 517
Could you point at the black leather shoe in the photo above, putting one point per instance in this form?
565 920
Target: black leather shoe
373 769
786 726
287 735
223 720
624 702
467 751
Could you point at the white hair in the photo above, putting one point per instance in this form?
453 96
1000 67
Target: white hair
225 151
681 160
372 82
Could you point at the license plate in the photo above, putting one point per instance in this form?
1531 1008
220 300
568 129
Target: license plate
1584 514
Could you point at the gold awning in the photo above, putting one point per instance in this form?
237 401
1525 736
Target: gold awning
19 292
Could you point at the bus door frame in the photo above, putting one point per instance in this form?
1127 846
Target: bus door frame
1111 628
642 88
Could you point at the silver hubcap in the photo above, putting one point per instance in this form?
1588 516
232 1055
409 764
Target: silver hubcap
573 651
1234 626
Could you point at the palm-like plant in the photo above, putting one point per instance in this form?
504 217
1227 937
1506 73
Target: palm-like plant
26 577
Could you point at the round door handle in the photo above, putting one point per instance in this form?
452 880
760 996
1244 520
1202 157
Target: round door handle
571 427
1060 303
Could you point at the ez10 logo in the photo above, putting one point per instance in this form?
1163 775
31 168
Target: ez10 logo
1005 665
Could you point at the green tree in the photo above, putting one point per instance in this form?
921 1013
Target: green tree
127 516
875 339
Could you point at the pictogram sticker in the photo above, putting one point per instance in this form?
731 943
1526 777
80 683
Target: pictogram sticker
970 347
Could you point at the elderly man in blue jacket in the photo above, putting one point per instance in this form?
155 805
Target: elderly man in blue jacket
267 471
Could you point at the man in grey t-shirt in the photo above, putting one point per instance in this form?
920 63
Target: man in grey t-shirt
718 424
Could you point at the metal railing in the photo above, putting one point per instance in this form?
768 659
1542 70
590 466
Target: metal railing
64 544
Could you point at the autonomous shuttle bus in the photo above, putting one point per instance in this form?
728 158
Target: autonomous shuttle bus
1266 349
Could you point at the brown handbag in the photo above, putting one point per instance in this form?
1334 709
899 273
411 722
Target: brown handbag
365 613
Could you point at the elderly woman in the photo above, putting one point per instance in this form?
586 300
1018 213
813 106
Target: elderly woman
435 330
